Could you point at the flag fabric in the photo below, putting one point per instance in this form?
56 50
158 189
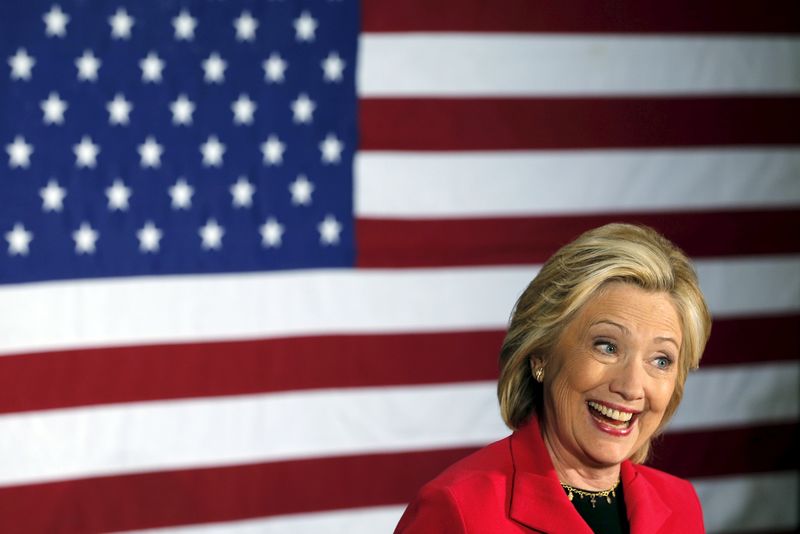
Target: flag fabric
258 257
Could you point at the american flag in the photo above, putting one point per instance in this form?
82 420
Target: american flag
258 256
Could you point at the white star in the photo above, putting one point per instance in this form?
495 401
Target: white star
87 65
305 27
184 25
151 66
242 192
273 149
56 22
182 109
181 194
85 238
52 196
329 230
118 195
333 67
121 24
274 67
212 151
18 240
149 237
19 153
243 109
245 27
118 110
303 109
150 153
211 233
331 149
53 109
271 233
86 152
214 67
21 64
301 190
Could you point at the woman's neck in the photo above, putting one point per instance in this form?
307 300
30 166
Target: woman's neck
575 473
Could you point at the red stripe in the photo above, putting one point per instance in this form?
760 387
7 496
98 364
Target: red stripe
219 494
556 123
502 241
753 340
125 374
128 374
723 452
579 16
168 498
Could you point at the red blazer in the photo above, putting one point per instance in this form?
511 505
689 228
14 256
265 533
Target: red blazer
511 486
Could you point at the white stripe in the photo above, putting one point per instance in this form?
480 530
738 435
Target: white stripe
350 521
750 286
254 305
738 395
474 184
204 432
420 64
63 315
753 502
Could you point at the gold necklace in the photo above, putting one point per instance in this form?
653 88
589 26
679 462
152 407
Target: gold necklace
593 495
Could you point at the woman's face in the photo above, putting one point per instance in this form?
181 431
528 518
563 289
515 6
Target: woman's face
611 375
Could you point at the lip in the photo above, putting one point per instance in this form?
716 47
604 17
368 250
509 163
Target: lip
608 429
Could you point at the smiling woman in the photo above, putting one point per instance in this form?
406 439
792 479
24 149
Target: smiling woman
608 382
592 368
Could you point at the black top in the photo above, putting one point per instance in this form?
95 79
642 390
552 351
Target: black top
604 518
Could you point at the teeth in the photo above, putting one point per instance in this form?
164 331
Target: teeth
613 414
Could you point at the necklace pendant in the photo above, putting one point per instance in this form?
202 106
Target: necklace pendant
570 496
592 500
608 499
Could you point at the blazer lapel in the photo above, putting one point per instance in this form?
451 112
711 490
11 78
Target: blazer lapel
647 511
537 499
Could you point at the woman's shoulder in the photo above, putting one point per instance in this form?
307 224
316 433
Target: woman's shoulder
678 491
657 494
450 502
492 461
661 479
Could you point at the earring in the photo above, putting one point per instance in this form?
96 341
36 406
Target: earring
538 374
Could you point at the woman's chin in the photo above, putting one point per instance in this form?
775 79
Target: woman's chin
608 445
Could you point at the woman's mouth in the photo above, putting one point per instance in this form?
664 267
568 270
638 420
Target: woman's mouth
613 421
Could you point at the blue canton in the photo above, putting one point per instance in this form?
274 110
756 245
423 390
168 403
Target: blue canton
165 137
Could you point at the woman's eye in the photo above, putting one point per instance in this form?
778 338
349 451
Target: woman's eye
606 347
662 362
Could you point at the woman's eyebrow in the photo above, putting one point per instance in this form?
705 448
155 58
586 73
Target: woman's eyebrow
667 339
612 323
626 331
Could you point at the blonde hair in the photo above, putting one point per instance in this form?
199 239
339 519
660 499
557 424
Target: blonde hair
617 252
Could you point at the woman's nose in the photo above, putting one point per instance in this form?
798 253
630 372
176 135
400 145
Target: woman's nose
628 380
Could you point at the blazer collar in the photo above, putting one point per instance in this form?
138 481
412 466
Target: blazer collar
539 502
537 499
647 511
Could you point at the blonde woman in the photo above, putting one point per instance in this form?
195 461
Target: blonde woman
592 368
